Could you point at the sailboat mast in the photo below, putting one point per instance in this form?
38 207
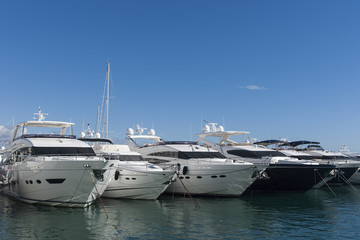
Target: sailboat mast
98 120
107 100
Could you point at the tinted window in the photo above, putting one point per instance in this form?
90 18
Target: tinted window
255 154
124 157
188 155
65 151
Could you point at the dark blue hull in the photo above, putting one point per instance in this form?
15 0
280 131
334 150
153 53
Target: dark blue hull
290 177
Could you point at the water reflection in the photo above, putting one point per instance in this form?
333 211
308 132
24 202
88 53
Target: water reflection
316 214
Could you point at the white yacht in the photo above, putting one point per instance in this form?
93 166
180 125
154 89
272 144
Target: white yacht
56 169
283 173
200 170
135 178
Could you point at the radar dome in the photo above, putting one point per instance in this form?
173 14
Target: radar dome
206 129
97 135
82 134
129 131
151 132
220 128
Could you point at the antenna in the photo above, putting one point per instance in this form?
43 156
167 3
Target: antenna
213 127
139 129
40 115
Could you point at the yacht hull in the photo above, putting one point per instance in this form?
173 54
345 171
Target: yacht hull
213 180
135 184
291 177
344 175
60 182
355 178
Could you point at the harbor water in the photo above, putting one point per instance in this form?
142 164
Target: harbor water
316 214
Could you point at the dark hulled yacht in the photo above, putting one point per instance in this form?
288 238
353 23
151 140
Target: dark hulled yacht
346 165
284 173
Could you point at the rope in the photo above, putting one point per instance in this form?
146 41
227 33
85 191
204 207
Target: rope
77 186
342 176
196 204
102 204
325 182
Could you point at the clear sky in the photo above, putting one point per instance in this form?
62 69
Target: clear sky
287 69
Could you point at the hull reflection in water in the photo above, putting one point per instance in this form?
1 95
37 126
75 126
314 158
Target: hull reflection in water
269 216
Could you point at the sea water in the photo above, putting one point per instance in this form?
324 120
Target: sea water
316 214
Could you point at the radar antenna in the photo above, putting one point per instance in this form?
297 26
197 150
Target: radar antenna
40 115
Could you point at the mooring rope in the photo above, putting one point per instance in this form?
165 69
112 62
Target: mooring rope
101 202
72 196
325 182
196 204
342 176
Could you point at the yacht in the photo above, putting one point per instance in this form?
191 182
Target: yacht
44 165
200 170
135 178
283 173
346 165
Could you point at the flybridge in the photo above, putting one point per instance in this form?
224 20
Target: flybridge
40 128
211 130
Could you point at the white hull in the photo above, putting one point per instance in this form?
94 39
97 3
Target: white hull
213 180
138 182
65 182
200 170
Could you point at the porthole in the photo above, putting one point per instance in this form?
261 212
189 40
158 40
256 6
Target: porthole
181 177
214 176
133 178
31 182
38 181
27 182
199 177
127 178
187 177
222 176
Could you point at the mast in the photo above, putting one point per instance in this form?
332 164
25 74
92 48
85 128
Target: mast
98 120
107 102
103 120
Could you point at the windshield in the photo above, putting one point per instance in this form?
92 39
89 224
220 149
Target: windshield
255 154
188 155
124 157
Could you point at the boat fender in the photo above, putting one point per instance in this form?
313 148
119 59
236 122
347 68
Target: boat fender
117 173
178 168
185 170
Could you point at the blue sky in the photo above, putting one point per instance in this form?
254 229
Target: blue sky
285 69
